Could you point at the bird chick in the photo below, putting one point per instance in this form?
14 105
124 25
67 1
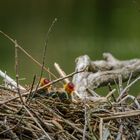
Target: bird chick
69 88
44 81
67 91
45 90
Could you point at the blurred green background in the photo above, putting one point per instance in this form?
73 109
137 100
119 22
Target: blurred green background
84 27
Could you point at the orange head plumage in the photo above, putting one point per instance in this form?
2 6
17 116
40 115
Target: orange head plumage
69 87
44 81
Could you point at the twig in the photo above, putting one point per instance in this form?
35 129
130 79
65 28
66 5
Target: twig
70 135
120 132
44 53
110 89
35 120
31 93
86 119
16 69
131 97
10 133
110 93
61 72
131 74
27 54
49 31
13 126
66 121
8 89
92 92
101 128
123 115
127 87
120 83
9 80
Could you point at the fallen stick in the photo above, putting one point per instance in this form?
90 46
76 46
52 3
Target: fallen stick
10 81
63 74
123 115
101 128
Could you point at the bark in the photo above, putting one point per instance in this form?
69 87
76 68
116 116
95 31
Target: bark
102 72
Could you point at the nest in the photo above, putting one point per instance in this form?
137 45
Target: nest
45 118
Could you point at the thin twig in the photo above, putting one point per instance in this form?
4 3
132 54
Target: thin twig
131 74
44 53
101 128
61 72
110 93
85 116
35 120
66 121
10 133
110 89
127 87
8 89
27 54
17 74
13 126
71 136
120 83
31 93
10 81
131 97
123 115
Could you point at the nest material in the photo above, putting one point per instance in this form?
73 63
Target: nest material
46 118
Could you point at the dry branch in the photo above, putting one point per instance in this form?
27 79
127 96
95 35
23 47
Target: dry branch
102 72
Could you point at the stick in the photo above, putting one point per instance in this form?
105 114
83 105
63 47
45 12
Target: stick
127 87
66 121
27 54
131 97
110 93
17 75
8 89
63 74
123 115
30 96
35 120
101 128
9 131
86 118
44 53
9 80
